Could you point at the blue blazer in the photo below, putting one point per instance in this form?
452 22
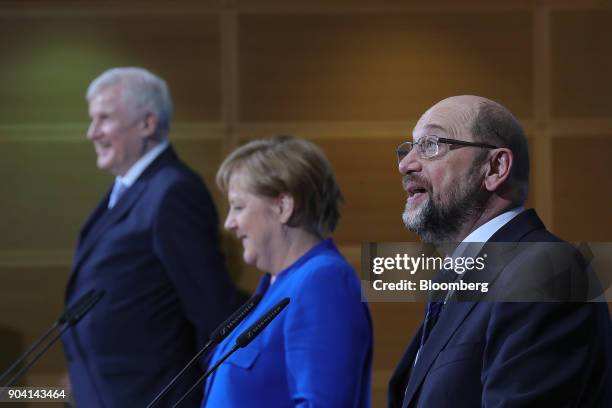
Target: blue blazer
496 354
156 255
316 353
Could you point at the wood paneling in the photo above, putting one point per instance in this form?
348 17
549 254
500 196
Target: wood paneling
581 52
533 172
47 62
203 156
305 67
339 5
34 301
582 190
49 188
54 186
366 171
353 76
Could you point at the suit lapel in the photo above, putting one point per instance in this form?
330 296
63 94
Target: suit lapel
91 221
454 314
450 320
102 218
101 223
399 379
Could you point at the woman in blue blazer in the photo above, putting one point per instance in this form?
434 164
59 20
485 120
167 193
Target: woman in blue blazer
317 353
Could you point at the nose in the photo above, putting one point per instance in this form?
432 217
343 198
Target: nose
93 131
410 163
230 223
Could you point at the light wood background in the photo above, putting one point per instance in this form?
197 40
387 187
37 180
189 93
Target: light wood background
353 76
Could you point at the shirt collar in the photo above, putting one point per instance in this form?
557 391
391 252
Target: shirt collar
471 245
137 168
486 230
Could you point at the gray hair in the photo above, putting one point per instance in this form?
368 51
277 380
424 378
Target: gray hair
141 90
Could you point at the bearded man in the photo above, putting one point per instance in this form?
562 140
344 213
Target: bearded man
466 176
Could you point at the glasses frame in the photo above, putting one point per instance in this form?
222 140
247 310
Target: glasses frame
453 142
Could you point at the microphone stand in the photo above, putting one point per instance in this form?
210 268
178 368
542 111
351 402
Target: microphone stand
216 337
163 392
26 367
243 340
69 318
28 351
206 374
61 320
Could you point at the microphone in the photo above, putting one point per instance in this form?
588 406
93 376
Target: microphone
231 322
243 340
68 312
69 318
249 334
85 307
71 310
217 336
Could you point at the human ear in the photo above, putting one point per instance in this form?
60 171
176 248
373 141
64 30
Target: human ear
285 207
500 165
149 125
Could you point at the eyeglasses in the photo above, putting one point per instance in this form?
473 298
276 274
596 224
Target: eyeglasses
429 146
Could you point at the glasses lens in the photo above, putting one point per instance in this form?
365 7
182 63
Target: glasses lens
403 150
429 147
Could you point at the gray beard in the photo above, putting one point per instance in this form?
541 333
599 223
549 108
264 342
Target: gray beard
438 222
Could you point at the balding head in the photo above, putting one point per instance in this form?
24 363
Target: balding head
471 164
478 119
455 112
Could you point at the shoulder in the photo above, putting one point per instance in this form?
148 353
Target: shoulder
173 178
328 264
173 171
326 278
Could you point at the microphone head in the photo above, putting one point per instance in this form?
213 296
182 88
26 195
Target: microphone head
225 328
249 334
76 306
85 307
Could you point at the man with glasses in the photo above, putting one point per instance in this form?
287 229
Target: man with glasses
466 174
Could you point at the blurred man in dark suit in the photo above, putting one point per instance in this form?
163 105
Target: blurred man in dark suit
466 177
152 245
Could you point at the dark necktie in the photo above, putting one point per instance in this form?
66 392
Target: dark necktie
432 313
435 305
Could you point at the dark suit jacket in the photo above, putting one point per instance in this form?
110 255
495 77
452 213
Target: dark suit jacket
156 255
520 354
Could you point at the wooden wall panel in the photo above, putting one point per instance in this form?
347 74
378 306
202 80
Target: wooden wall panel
203 156
534 171
57 184
353 76
33 303
49 188
339 5
366 171
581 52
47 62
582 190
394 326
305 67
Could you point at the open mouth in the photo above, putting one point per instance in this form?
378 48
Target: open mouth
412 191
415 191
102 148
